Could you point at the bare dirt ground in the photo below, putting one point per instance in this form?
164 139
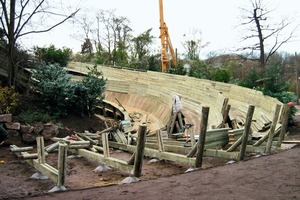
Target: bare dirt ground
276 176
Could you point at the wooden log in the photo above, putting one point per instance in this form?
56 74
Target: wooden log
140 147
285 118
73 142
14 148
85 137
272 130
79 146
26 155
98 148
247 131
40 150
160 142
105 130
90 148
62 164
201 143
55 145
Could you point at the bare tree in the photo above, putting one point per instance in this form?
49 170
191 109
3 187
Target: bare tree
17 19
257 20
115 34
193 44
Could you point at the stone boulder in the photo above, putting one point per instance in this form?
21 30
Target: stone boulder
49 131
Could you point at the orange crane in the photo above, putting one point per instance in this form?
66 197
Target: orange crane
167 50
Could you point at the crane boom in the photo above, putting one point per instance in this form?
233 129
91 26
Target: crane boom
166 44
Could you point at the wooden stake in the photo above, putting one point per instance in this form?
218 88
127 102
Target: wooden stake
272 131
201 143
160 142
247 130
174 116
105 144
285 118
40 150
62 164
180 120
140 147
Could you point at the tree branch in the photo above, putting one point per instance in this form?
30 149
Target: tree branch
52 27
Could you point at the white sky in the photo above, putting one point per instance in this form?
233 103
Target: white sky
216 19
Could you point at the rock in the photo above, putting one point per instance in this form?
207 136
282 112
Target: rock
38 127
39 176
13 137
26 129
102 168
57 189
130 179
13 126
50 130
6 118
29 137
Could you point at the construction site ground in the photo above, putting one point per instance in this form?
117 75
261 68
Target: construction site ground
275 176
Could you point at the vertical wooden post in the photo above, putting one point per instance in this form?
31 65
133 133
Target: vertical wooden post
201 142
174 116
104 110
160 142
225 116
285 119
225 103
192 135
62 164
272 129
40 150
139 154
105 144
115 113
247 130
180 120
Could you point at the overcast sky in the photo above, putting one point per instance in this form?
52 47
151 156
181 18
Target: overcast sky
216 19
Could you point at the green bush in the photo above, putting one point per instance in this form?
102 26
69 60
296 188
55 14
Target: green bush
8 99
60 96
220 74
55 88
88 92
31 117
52 55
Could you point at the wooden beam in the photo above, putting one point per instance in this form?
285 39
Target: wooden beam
160 142
14 148
62 165
247 130
155 153
110 161
139 154
284 118
201 143
272 130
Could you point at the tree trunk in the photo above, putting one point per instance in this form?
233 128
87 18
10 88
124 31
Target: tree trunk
11 46
261 39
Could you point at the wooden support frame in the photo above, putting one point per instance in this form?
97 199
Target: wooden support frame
38 161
